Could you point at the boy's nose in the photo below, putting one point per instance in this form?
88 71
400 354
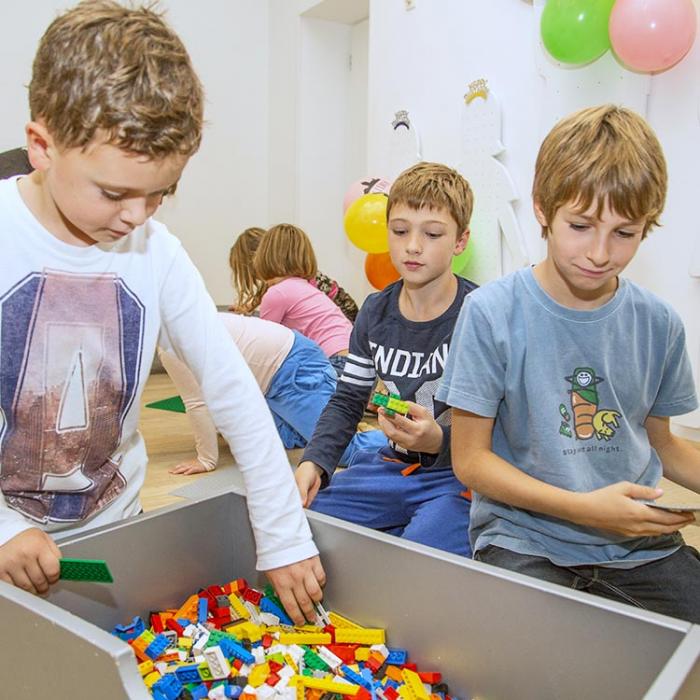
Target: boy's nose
598 252
134 211
413 243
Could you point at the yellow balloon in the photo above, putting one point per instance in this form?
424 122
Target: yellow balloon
365 223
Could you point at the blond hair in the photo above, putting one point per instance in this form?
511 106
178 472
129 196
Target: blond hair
104 67
285 251
434 186
607 155
248 287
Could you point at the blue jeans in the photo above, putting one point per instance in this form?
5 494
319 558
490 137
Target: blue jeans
668 585
426 506
298 393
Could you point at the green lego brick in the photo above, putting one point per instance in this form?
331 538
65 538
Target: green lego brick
173 403
391 403
85 570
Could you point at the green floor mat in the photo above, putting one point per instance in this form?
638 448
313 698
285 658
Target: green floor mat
174 403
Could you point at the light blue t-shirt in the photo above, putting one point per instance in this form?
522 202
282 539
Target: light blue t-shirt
570 391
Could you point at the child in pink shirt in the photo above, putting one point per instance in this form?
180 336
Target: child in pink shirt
286 262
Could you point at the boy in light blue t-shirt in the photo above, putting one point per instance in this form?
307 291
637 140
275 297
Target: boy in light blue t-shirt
564 376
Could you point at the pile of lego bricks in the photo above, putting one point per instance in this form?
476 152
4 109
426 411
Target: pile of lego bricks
234 641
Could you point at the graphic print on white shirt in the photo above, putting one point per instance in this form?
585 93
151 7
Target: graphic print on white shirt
71 346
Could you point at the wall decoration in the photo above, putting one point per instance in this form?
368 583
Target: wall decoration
494 221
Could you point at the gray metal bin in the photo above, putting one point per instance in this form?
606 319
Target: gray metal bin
494 635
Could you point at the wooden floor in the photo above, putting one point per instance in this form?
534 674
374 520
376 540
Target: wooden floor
169 441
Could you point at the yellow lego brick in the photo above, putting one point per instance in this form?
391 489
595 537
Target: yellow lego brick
247 630
185 643
151 678
339 621
360 635
189 608
301 691
258 675
238 607
413 681
328 686
362 653
405 693
290 662
305 638
146 667
308 628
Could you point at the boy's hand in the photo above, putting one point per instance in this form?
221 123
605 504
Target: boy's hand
308 478
192 466
30 561
419 433
615 508
299 587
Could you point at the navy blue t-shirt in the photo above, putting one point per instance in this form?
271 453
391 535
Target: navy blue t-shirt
408 356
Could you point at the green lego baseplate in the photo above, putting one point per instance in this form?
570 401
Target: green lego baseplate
391 403
85 570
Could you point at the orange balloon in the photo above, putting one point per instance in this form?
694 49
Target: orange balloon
380 270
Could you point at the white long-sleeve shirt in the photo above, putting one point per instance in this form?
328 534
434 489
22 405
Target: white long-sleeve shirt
78 331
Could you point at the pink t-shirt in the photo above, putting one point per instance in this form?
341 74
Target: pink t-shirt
297 304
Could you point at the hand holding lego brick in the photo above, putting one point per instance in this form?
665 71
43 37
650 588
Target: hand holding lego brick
419 433
30 561
299 586
615 509
308 478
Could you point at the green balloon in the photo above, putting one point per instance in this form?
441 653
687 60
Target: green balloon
576 31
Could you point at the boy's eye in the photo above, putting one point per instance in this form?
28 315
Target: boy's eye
578 227
398 231
627 234
432 234
112 196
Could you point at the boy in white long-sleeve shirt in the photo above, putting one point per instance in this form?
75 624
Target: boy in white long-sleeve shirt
88 283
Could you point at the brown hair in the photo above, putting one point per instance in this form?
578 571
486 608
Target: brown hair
104 67
608 155
285 251
435 186
248 287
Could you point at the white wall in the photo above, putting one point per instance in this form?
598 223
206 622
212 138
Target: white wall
225 187
422 60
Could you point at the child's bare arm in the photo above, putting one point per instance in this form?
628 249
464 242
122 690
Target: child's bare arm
680 460
29 561
308 479
613 508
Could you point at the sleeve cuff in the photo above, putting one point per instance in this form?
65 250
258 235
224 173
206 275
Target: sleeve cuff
290 555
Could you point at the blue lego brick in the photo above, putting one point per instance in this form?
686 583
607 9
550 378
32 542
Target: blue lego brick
169 686
233 691
198 692
397 657
202 610
188 674
269 606
157 646
130 631
355 678
234 650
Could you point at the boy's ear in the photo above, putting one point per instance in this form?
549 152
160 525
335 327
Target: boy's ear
39 145
462 240
539 215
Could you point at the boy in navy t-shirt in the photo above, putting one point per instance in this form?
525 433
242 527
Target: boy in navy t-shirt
402 335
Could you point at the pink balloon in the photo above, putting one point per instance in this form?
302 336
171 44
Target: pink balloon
367 185
652 35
